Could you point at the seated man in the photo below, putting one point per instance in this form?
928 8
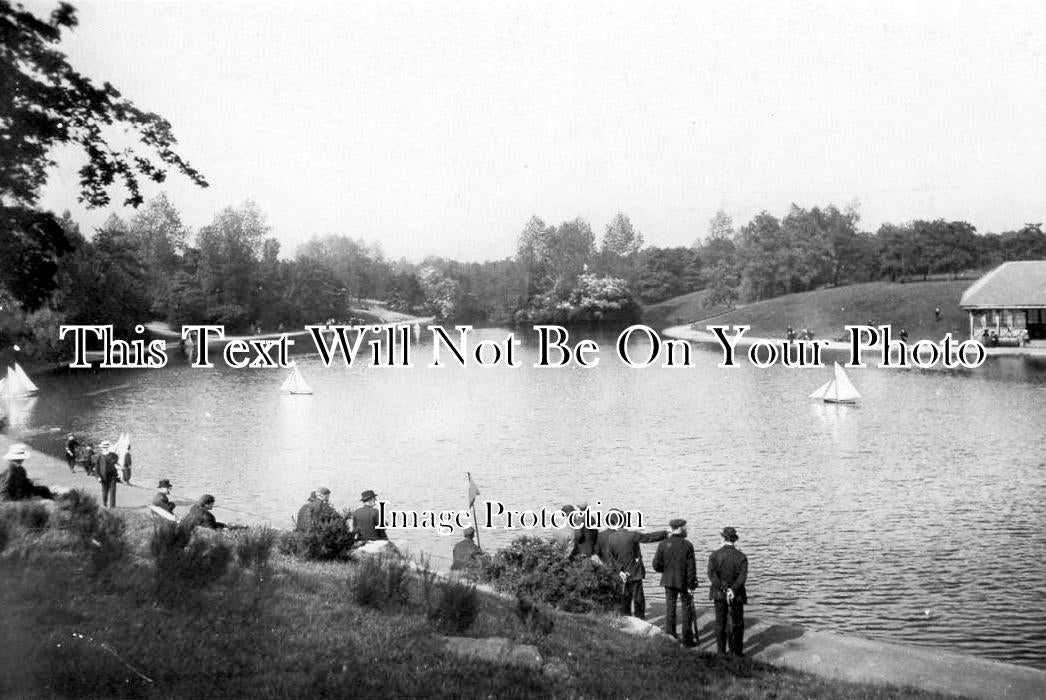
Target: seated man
466 550
200 515
161 499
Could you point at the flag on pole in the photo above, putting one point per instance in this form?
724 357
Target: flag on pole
473 490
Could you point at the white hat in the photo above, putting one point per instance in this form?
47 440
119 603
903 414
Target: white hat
17 451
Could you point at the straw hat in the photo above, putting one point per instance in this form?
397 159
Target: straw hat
17 452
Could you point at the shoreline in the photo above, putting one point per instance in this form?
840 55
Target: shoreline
688 332
772 641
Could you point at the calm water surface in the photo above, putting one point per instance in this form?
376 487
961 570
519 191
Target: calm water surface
916 517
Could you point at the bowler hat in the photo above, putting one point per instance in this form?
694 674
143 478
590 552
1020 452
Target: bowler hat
729 534
367 495
17 452
469 531
164 484
676 523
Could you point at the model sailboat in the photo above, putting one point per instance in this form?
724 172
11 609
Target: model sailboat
296 383
838 389
17 383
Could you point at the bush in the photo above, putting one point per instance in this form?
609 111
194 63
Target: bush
99 531
254 548
327 539
458 607
381 582
25 515
536 568
186 563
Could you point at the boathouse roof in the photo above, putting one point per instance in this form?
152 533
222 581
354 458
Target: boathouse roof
1020 284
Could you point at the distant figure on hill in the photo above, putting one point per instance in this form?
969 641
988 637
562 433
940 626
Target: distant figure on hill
200 515
728 571
790 334
162 499
466 550
937 313
71 445
625 559
904 335
368 523
676 563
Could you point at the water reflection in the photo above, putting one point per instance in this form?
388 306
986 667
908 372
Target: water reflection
855 518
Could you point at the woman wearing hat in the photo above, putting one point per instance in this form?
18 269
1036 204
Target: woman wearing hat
14 482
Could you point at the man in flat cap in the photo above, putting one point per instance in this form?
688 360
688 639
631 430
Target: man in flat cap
728 570
466 550
676 563
368 520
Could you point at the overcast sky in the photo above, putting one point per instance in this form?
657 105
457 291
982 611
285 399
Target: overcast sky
441 127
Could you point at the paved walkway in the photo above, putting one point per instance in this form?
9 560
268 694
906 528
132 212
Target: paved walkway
859 660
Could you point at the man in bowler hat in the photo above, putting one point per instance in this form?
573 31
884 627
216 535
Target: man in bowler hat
728 570
676 563
368 519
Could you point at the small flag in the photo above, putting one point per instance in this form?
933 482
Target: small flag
473 490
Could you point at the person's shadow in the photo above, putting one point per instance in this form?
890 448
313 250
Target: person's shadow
774 634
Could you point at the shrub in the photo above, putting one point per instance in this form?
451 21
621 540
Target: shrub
327 539
537 569
381 582
254 547
533 616
458 606
186 562
25 515
4 536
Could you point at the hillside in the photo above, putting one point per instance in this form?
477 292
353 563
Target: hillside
825 312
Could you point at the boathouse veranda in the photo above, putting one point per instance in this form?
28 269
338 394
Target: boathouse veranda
1008 304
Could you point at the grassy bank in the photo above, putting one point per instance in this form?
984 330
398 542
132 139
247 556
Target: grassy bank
87 617
827 311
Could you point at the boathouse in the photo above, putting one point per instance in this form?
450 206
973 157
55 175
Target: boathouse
1009 303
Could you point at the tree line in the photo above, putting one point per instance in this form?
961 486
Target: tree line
231 271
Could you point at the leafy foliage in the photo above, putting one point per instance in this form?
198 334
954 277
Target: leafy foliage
536 569
458 606
381 582
186 561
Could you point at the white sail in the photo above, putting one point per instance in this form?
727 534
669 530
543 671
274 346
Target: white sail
822 391
843 390
123 443
839 389
295 383
17 383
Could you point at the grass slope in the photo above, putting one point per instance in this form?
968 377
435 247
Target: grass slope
294 630
827 311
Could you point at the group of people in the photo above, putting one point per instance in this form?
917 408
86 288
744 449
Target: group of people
101 462
364 522
804 334
618 550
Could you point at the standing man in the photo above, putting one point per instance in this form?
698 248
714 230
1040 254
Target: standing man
584 537
624 559
70 451
108 476
368 521
728 570
676 563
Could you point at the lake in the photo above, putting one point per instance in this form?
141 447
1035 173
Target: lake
915 517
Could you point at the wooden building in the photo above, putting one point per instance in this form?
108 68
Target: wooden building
1009 303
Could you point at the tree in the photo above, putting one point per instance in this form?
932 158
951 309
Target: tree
44 101
621 238
230 248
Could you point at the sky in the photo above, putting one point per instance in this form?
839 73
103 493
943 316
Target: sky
434 128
